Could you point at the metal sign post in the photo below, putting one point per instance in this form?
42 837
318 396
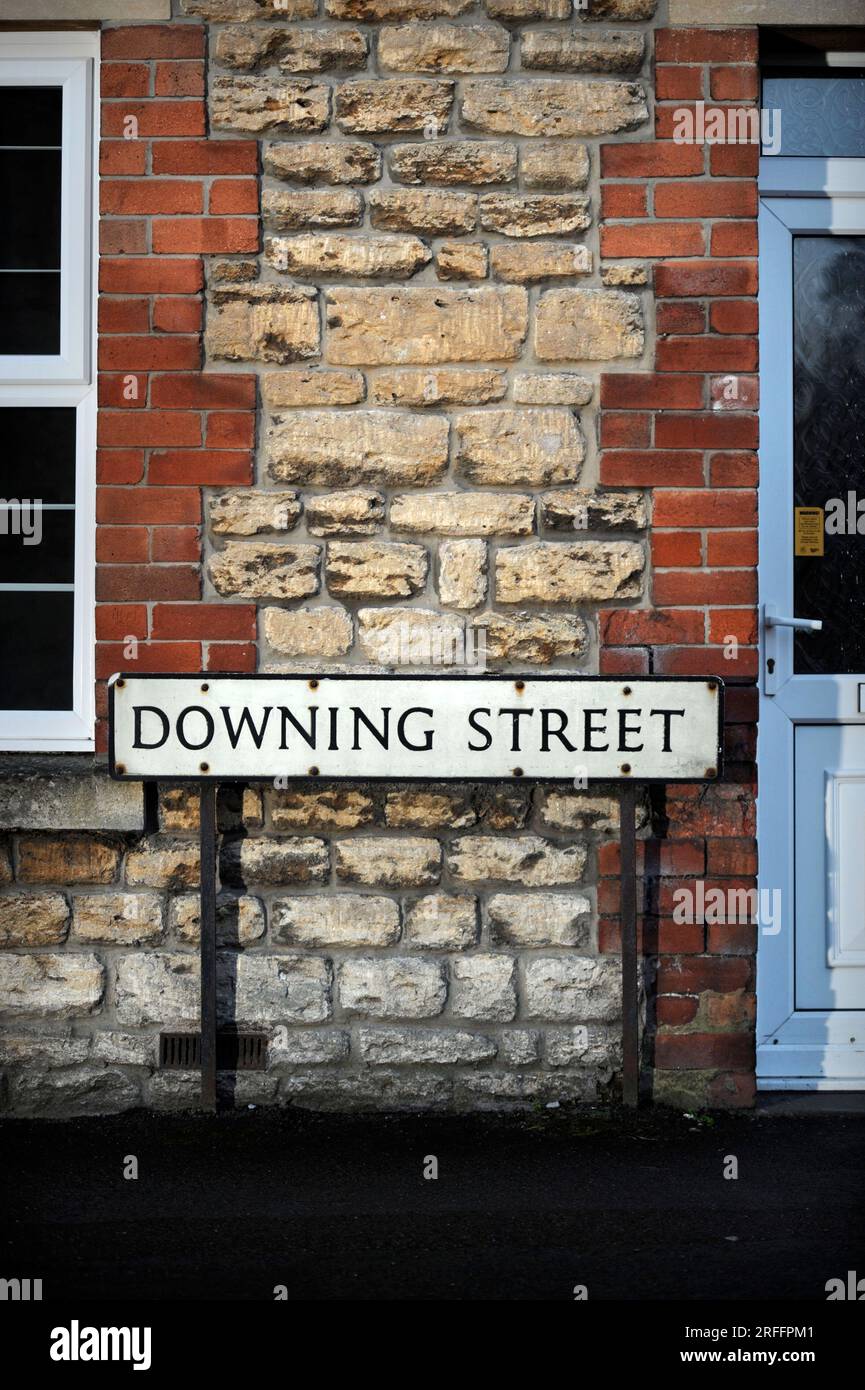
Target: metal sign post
391 728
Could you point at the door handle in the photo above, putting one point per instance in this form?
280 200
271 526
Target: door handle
772 620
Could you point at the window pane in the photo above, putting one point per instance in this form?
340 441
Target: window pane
37 453
30 221
31 115
822 115
36 648
829 449
29 313
36 547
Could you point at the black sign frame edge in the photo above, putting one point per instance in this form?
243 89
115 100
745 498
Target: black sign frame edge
579 678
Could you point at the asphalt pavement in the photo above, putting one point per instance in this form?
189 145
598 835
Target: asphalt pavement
261 1204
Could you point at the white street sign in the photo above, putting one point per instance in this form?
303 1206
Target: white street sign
463 728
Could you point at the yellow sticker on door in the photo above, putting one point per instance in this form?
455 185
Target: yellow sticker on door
809 532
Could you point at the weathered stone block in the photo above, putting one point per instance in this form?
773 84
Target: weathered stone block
371 11
624 273
222 10
523 1090
535 214
257 104
545 260
430 211
259 570
576 509
442 922
239 920
461 260
395 327
439 386
464 513
312 386
453 161
271 988
462 573
124 1049
345 920
33 919
325 50
339 808
554 164
330 254
292 211
264 323
358 513
74 859
423 1046
392 987
163 862
588 325
383 106
308 1046
619 9
552 388
323 161
77 1091
375 569
319 632
414 637
36 1048
251 513
326 448
371 1089
573 987
552 106
127 918
484 986
520 1046
294 859
527 859
70 802
428 808
570 572
512 447
576 51
388 863
539 919
162 987
70 985
518 10
533 637
442 47
584 1045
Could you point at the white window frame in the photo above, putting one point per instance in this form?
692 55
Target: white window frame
71 60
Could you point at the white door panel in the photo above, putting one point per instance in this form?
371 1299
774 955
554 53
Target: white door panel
830 866
811 805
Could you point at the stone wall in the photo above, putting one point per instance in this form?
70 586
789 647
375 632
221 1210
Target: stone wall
424 327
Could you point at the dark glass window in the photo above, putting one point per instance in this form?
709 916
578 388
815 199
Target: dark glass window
31 184
37 453
829 448
31 115
37 556
36 641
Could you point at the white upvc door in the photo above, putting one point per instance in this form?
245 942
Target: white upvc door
811 805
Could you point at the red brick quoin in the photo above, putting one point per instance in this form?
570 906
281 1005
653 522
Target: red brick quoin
169 196
687 430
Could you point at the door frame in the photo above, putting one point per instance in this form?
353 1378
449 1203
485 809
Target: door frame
806 1049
